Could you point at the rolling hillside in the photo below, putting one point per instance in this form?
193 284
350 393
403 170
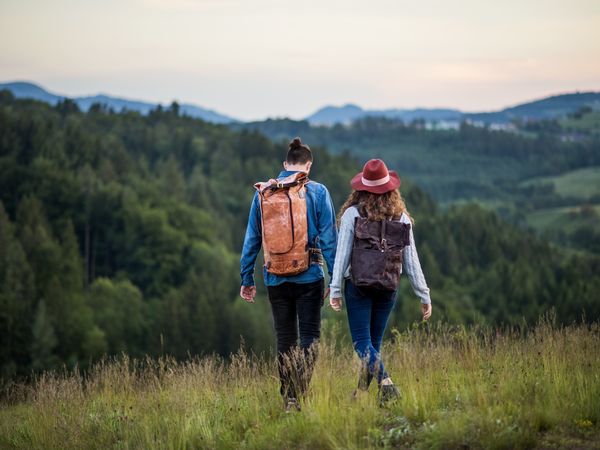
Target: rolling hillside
122 232
517 174
554 107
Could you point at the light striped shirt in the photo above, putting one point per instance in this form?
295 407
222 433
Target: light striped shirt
342 269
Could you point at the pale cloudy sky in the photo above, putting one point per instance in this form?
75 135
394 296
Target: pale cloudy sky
257 58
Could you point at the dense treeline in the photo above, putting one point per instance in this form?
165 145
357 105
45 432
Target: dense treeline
121 232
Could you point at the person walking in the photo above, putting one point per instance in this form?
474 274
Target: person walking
375 242
293 219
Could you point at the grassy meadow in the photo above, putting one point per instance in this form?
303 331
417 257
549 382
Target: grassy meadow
566 218
461 387
580 183
589 123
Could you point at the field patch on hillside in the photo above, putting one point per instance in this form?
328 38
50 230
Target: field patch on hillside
581 183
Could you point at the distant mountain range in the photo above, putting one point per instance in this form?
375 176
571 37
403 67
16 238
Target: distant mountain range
22 89
331 115
546 108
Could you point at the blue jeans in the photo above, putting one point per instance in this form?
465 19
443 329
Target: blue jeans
368 314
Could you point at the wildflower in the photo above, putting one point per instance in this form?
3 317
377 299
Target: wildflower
583 423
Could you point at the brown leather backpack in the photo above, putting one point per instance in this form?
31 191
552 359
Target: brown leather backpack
377 252
284 224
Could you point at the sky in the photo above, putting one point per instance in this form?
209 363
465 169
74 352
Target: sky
253 59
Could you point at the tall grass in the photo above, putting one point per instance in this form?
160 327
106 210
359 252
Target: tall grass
461 388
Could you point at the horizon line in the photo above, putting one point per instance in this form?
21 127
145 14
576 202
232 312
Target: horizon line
275 117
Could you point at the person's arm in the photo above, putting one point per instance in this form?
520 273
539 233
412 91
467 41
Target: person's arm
344 251
327 230
252 243
413 269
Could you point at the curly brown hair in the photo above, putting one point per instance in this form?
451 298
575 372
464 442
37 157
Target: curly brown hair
376 206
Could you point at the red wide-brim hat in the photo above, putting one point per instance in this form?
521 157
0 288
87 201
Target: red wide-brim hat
376 178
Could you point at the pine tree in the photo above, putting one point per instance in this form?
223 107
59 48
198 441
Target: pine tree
44 340
16 300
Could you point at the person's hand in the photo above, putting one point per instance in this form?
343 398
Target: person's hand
426 310
248 293
336 303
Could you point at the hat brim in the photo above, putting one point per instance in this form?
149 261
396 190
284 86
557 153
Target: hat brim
393 183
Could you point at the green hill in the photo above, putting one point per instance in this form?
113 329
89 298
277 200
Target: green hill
586 121
470 164
553 107
583 184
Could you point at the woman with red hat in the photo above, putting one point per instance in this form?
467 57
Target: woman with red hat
375 198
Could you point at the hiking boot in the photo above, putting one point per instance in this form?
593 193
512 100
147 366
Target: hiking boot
388 393
364 379
292 405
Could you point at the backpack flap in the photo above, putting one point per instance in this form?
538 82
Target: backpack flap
397 234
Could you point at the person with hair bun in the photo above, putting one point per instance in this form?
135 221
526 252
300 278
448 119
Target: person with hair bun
295 286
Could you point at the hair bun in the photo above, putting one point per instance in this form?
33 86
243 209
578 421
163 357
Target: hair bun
296 143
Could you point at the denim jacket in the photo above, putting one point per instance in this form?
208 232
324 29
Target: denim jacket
322 233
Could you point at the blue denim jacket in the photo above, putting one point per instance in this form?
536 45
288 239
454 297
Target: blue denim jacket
322 233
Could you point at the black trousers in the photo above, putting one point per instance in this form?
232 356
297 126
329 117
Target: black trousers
296 307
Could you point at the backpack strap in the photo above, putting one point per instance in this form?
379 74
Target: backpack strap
292 180
284 183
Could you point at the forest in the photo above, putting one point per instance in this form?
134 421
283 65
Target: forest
121 232
541 175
